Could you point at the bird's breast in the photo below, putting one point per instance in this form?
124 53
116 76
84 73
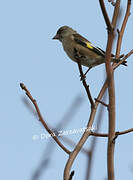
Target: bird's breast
69 49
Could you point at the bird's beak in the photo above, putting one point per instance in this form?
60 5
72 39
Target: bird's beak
56 37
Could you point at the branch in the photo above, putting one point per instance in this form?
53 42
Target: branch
103 103
111 109
91 153
111 87
121 32
116 13
116 133
41 118
111 91
124 58
85 135
105 15
50 147
85 84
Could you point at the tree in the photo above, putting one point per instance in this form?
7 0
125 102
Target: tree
109 83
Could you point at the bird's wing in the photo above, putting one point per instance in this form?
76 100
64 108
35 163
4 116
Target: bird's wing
112 55
85 43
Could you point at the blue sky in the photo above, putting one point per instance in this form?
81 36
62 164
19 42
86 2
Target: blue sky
29 55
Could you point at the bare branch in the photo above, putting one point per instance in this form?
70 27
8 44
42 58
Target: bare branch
116 13
91 153
42 120
85 135
85 85
121 32
105 15
124 58
50 147
116 133
111 91
104 104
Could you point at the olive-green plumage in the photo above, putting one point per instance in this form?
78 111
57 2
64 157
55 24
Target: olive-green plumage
79 48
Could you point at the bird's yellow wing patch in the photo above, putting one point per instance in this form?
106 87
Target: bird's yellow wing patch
89 45
85 43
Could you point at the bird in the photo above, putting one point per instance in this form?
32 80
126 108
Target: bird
79 49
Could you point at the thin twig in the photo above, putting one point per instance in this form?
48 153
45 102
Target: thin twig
85 84
42 120
116 133
124 58
104 104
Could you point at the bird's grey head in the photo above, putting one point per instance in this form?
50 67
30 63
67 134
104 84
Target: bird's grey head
63 32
